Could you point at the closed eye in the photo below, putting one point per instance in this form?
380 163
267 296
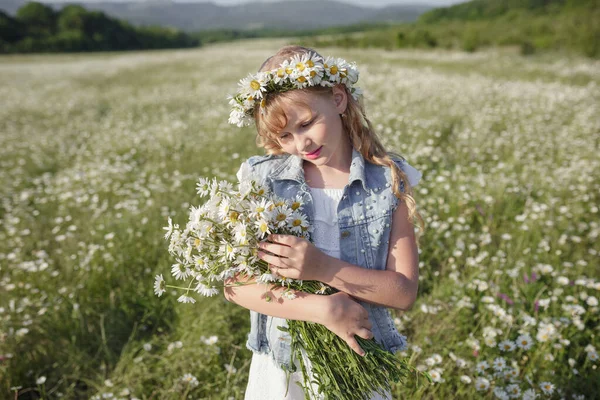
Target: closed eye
304 125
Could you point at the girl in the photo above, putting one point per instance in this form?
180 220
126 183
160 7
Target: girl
357 196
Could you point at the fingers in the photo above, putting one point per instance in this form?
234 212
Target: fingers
276 249
355 346
365 333
275 260
287 240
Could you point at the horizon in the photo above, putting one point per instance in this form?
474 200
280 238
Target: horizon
363 3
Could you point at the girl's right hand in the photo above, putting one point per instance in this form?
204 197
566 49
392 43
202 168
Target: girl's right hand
345 317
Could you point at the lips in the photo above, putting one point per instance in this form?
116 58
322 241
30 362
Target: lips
314 152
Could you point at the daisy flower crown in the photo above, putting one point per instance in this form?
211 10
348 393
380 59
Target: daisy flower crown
299 72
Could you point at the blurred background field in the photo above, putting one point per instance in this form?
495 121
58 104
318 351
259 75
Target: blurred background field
98 149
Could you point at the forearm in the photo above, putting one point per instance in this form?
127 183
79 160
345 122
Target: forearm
385 288
254 296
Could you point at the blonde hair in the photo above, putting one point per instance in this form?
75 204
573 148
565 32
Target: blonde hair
354 121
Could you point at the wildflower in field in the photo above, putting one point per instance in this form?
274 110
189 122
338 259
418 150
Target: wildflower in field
506 345
529 394
499 363
511 373
211 340
547 387
500 393
513 391
436 375
545 332
465 379
482 366
230 368
190 380
524 341
41 380
147 346
482 384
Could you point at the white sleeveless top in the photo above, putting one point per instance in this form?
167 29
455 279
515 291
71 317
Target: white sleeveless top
266 381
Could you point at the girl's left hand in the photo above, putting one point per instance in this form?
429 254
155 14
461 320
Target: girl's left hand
293 257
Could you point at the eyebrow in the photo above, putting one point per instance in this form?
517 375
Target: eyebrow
302 121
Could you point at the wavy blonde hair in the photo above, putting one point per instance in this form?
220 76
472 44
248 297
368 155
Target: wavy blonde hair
354 121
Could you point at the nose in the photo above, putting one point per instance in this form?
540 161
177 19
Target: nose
303 143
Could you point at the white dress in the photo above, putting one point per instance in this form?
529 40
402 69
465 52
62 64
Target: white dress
267 381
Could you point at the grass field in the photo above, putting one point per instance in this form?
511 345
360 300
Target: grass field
97 150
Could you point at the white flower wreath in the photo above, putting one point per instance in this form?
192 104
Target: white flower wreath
299 72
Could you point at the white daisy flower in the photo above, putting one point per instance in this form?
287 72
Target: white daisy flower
500 393
482 366
482 384
547 387
205 291
169 229
253 85
289 294
436 375
263 228
186 299
180 271
499 363
511 373
437 358
297 222
266 278
190 380
281 216
241 233
281 74
506 345
159 285
323 289
529 394
259 209
524 341
203 187
210 341
227 250
332 70
545 332
465 379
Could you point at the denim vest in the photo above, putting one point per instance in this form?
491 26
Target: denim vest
364 220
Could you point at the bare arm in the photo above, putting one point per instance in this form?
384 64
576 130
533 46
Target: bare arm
337 312
253 296
397 285
394 287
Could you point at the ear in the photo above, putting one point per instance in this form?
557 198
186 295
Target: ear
340 98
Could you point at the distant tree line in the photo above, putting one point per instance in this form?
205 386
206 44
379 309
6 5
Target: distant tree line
530 25
39 28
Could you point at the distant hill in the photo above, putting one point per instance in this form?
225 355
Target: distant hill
292 15
530 25
491 9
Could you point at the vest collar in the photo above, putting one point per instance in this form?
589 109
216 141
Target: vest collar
292 169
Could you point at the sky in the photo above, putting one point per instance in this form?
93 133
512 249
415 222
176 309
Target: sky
365 3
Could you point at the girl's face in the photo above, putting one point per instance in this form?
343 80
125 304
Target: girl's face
315 133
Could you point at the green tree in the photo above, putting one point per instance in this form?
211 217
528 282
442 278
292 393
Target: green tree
39 19
11 30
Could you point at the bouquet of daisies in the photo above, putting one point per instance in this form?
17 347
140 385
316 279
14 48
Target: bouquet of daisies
220 241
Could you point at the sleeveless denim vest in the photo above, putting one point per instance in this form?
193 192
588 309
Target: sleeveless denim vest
364 220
